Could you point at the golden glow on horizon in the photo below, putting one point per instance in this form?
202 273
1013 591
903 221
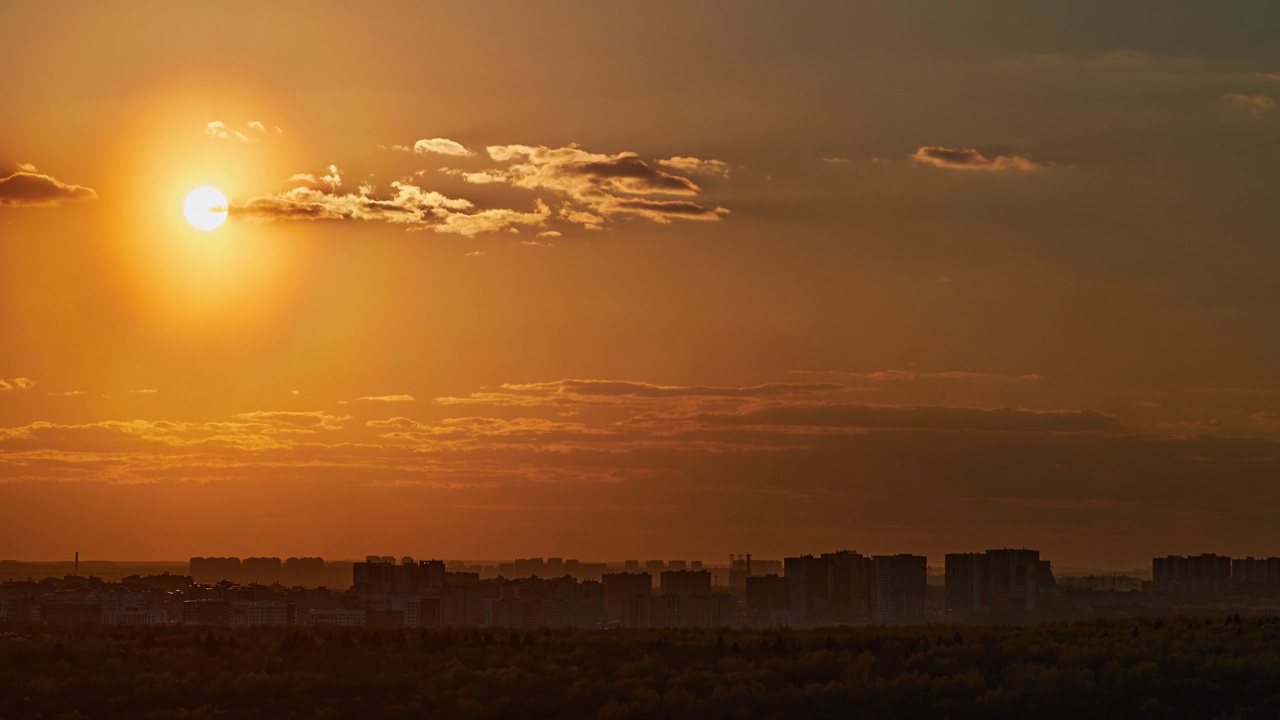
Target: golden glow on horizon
205 208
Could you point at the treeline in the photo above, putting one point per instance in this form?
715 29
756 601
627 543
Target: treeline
1144 668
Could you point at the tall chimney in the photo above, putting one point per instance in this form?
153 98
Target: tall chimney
77 563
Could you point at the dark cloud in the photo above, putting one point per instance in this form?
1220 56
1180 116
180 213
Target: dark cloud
575 390
598 186
833 415
28 187
921 375
628 173
969 159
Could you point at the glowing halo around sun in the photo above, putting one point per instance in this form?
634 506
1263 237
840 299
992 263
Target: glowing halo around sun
205 208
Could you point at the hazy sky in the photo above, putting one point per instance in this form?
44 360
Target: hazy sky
659 279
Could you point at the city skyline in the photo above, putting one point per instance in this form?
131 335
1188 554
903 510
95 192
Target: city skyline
664 279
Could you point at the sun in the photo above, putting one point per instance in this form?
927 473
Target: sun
205 208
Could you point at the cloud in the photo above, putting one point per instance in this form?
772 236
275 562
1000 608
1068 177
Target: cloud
333 178
918 375
254 130
848 415
19 383
549 234
67 393
783 465
145 391
27 187
387 398
294 421
697 166
472 224
575 390
602 185
592 189
405 204
482 177
1254 106
836 160
437 146
969 159
475 253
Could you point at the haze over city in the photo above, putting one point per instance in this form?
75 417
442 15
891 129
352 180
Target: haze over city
612 281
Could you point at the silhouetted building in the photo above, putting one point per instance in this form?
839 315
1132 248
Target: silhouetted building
261 613
724 611
1177 576
206 612
382 576
807 585
901 588
336 617
626 598
692 590
210 570
1014 575
1256 576
1002 582
966 581
71 612
767 600
265 570
304 571
850 586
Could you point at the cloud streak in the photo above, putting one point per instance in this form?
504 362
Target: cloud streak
253 131
970 159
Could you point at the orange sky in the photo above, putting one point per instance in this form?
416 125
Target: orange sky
668 279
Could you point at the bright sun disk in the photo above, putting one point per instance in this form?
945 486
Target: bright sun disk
205 208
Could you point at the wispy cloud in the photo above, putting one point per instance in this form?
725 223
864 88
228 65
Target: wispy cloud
253 131
1255 106
896 375
579 390
970 159
18 383
387 398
